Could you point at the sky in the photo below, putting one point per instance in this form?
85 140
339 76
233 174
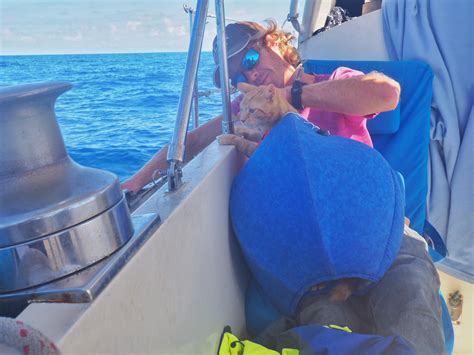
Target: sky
115 26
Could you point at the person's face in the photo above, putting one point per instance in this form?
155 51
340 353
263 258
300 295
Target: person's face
270 68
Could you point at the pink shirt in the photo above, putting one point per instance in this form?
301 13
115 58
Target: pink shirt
338 124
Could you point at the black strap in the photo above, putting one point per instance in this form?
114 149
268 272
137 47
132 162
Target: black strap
296 91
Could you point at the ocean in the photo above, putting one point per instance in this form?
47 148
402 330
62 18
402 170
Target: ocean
122 107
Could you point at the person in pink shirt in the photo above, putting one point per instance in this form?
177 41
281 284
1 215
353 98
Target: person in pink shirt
340 103
339 124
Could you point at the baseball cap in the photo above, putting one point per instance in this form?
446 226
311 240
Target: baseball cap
238 36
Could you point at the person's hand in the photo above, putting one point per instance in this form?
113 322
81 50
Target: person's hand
285 92
131 185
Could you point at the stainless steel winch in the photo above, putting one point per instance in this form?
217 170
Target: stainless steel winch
56 216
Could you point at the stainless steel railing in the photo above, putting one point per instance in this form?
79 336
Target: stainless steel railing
197 94
293 16
227 124
195 104
177 147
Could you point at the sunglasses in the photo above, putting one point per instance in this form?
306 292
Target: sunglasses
249 61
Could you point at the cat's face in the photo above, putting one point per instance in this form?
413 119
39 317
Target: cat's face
260 106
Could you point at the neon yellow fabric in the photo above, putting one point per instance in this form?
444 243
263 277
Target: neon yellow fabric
225 347
251 348
230 345
333 326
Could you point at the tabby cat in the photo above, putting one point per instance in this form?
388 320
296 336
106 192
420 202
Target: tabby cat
260 110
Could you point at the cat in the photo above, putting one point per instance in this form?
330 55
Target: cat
261 109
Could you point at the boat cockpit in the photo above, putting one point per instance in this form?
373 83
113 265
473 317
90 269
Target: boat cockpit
160 271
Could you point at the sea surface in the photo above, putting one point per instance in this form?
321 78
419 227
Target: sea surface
122 107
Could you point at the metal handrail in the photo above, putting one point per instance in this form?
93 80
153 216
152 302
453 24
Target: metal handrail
293 16
227 123
195 105
176 150
197 94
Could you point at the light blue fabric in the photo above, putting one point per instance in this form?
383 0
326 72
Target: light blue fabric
441 34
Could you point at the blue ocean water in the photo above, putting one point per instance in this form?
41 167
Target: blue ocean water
122 107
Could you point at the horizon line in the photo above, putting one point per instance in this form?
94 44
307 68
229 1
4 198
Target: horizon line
86 53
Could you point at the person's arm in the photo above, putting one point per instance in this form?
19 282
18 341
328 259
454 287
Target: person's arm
196 141
358 96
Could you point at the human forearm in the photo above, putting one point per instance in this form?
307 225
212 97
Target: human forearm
201 137
361 95
145 174
196 140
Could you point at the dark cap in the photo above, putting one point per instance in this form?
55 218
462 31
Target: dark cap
238 36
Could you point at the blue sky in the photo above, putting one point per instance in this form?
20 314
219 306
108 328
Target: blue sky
114 26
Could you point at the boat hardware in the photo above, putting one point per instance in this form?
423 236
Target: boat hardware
56 216
86 285
227 124
195 105
134 200
196 93
455 302
293 16
176 150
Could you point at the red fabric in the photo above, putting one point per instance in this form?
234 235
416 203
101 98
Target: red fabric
263 137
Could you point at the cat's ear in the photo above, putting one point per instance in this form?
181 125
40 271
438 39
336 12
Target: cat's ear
245 87
270 94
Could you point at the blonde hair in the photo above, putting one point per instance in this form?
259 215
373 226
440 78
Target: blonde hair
274 35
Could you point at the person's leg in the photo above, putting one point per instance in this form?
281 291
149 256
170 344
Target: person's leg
320 310
406 301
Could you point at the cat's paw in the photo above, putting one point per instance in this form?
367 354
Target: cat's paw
252 134
241 130
227 139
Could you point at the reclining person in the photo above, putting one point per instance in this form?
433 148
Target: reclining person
320 221
340 103
405 302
